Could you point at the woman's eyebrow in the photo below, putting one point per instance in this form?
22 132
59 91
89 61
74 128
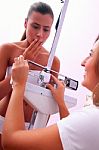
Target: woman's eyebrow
40 25
91 50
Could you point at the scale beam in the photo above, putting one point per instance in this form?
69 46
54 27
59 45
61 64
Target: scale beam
70 83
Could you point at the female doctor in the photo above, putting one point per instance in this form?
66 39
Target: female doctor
75 131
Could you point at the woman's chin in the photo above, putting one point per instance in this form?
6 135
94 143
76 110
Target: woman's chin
87 86
83 83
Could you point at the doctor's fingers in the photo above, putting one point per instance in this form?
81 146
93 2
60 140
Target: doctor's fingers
57 81
19 61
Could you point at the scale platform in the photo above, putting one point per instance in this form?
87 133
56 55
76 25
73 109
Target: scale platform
41 99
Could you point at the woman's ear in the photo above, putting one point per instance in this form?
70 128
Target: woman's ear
25 23
96 95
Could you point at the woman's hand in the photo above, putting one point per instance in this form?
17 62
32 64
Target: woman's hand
19 71
33 50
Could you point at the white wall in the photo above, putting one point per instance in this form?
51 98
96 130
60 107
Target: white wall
79 31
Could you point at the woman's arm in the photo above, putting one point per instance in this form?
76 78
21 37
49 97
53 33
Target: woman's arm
15 137
4 104
5 87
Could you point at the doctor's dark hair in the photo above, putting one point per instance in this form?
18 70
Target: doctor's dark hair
97 57
40 7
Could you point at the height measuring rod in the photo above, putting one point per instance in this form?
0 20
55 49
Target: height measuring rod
57 34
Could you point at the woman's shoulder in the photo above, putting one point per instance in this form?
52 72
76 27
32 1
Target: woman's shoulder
56 61
11 45
47 53
5 50
8 51
7 46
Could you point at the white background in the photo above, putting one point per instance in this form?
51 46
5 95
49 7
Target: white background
80 28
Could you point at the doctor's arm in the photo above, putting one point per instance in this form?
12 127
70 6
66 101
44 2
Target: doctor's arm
14 134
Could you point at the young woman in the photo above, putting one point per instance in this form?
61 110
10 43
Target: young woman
37 25
78 130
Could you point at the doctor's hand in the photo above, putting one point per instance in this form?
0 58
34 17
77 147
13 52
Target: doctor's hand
58 91
20 70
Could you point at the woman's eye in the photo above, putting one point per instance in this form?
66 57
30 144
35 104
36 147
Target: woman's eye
35 27
91 53
46 30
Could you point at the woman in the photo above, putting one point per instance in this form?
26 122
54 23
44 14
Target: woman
37 30
78 130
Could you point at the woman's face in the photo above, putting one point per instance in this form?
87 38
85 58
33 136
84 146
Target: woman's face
91 76
38 26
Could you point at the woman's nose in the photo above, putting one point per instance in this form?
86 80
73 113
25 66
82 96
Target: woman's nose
84 61
40 33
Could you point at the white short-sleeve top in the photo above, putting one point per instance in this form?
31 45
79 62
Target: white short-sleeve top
80 130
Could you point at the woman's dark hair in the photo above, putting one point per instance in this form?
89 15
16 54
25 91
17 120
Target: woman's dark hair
40 7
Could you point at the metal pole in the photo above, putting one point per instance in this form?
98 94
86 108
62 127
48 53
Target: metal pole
57 34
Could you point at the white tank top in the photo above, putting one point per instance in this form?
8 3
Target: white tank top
32 78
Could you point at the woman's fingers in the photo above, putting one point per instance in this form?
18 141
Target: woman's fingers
34 45
33 49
